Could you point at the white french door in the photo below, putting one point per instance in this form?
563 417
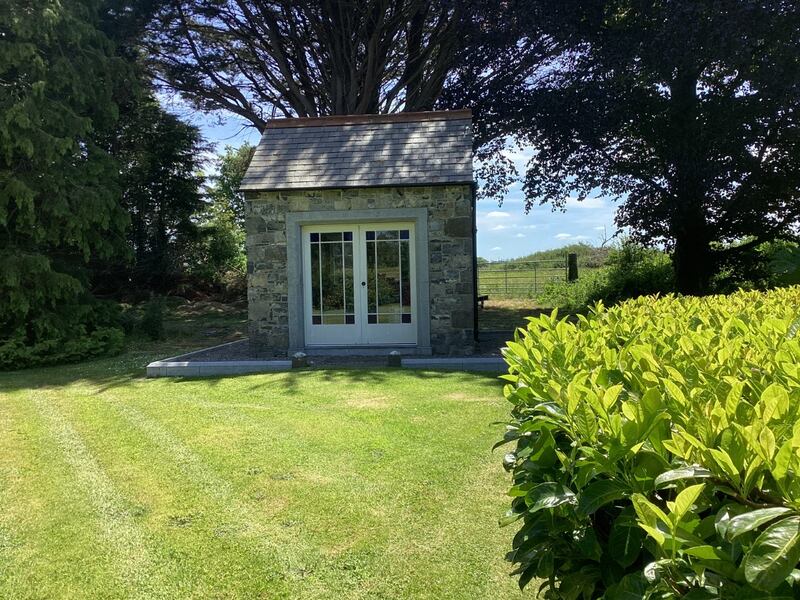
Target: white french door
359 284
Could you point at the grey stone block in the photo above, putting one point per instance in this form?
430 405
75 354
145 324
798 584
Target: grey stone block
450 265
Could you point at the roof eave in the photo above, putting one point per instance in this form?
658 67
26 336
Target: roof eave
260 188
464 114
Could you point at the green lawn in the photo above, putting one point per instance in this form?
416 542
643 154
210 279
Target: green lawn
322 484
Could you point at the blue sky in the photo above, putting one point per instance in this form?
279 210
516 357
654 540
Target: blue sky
503 232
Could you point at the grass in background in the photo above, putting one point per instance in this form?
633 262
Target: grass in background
501 314
193 325
528 277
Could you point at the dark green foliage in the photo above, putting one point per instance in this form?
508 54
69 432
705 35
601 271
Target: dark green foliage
128 320
784 262
686 111
79 328
152 321
771 264
218 261
224 189
58 186
160 182
310 58
657 445
218 254
630 271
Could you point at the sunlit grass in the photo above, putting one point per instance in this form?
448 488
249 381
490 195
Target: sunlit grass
324 484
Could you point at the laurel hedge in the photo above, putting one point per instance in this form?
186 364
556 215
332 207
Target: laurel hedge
656 449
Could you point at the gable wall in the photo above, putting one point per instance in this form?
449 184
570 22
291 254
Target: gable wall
449 248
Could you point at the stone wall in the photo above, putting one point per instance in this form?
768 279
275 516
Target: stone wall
449 248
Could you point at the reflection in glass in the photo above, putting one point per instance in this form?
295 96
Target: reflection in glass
332 290
388 277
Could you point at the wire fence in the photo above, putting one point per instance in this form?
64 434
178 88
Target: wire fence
519 279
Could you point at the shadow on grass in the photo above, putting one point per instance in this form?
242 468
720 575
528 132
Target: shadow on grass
107 373
500 316
118 371
291 380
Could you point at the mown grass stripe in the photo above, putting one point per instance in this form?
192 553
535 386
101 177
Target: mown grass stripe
7 540
288 553
135 565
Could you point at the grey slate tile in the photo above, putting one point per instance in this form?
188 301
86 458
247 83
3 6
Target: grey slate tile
364 154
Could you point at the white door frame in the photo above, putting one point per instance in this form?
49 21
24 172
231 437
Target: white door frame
362 332
327 334
294 289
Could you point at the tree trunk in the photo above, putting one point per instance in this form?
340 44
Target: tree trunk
693 261
692 254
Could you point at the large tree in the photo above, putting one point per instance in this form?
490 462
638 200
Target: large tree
59 80
687 111
224 189
160 158
259 58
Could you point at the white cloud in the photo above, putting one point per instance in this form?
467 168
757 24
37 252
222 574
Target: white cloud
528 227
499 227
496 248
562 236
586 203
580 237
600 228
520 235
498 214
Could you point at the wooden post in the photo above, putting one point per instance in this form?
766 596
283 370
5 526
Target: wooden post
572 266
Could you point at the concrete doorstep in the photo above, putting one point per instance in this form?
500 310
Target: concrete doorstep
179 366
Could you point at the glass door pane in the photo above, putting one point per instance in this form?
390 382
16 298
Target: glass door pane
331 284
389 289
332 290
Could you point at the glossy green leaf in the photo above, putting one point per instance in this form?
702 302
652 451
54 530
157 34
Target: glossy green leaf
684 501
706 552
599 493
648 512
774 554
681 474
753 520
625 543
610 396
774 403
548 495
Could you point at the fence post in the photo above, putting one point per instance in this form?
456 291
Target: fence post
572 266
535 284
505 270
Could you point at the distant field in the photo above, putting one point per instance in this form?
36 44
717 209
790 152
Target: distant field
525 278
519 281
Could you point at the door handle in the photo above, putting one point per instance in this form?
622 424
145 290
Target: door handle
363 284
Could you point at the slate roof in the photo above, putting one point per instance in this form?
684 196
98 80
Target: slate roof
423 148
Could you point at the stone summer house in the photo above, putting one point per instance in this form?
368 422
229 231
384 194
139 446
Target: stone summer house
361 235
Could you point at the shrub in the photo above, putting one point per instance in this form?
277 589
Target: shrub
79 328
771 264
784 262
218 257
576 296
631 271
152 323
657 449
